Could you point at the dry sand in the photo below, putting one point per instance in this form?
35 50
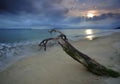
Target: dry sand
56 67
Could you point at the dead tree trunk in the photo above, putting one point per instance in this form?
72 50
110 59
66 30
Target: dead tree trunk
89 63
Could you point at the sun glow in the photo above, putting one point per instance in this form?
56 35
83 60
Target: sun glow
90 15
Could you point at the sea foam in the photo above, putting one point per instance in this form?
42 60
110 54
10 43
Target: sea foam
11 52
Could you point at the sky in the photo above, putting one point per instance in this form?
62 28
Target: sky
59 13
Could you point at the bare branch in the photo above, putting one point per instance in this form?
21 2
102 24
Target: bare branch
80 57
44 43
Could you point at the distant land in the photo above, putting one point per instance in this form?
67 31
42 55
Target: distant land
117 28
55 28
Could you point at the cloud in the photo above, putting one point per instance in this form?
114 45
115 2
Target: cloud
59 13
15 6
105 16
31 21
60 8
37 7
81 7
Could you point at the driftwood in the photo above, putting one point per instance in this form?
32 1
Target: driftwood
89 63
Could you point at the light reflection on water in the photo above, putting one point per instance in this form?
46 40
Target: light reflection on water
89 33
23 35
90 37
27 41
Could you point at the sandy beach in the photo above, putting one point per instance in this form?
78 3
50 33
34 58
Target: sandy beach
55 67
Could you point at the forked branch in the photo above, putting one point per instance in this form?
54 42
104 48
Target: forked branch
80 57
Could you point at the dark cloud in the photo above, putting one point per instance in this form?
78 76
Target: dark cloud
15 6
106 4
30 6
30 20
31 13
56 7
105 16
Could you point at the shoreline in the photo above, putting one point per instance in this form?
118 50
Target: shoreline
14 60
13 52
55 67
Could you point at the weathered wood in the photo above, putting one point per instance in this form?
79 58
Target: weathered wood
88 62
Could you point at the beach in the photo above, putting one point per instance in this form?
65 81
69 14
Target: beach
54 66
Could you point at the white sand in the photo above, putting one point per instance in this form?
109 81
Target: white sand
56 67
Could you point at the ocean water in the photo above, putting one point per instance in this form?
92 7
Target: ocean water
19 43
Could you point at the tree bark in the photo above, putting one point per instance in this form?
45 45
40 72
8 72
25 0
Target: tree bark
88 62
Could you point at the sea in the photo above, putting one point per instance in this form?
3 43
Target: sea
16 44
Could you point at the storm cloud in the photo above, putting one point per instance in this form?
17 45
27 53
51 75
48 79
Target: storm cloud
59 13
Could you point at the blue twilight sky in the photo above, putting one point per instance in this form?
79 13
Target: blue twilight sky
59 13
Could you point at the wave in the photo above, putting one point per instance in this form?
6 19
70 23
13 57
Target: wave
10 52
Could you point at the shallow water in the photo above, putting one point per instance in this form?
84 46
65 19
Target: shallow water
16 44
